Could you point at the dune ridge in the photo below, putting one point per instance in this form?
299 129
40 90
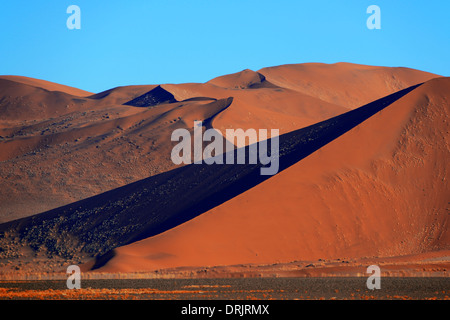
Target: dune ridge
345 84
47 85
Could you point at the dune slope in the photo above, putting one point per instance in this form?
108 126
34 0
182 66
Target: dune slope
47 85
381 189
345 84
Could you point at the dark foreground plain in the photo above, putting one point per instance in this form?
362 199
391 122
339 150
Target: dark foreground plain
404 288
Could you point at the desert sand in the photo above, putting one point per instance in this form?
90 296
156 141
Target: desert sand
47 85
90 179
60 144
352 198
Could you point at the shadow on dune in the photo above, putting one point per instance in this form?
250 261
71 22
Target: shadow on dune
96 225
152 98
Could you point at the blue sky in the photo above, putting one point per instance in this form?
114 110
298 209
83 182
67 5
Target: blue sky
169 41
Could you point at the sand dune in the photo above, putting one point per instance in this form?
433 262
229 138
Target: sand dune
343 200
60 144
120 95
262 108
290 97
152 98
47 85
246 79
59 161
380 189
20 102
345 84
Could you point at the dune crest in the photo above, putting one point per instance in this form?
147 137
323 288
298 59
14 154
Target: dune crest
345 84
245 79
47 85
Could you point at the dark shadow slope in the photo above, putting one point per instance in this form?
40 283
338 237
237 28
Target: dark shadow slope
95 226
152 98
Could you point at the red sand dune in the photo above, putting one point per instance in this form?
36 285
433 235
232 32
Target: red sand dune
381 189
345 84
263 107
47 85
23 102
290 97
246 79
59 144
